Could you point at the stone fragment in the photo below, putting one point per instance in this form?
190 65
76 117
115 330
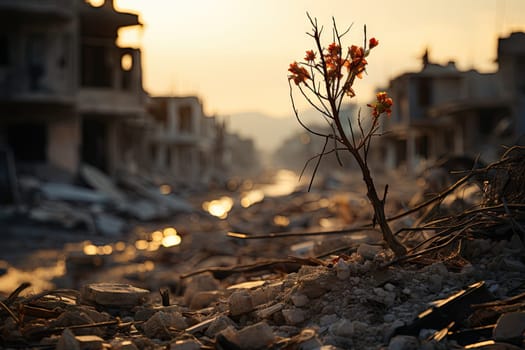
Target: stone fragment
368 251
187 344
228 338
314 285
510 327
89 342
204 298
342 270
114 294
266 293
342 328
300 300
257 336
76 317
308 340
67 341
240 302
293 316
270 310
327 320
158 325
220 323
403 342
389 287
123 345
199 283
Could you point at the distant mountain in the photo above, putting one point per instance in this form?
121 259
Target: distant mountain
269 132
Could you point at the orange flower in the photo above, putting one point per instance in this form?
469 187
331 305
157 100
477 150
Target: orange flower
334 50
383 104
299 74
356 52
373 42
358 64
310 56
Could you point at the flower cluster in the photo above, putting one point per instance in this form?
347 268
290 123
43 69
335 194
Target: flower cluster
298 74
354 62
383 104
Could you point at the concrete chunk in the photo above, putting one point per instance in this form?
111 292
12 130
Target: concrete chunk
257 336
240 302
114 294
158 326
293 316
89 342
510 327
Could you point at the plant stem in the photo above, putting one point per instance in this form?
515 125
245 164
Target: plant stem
377 204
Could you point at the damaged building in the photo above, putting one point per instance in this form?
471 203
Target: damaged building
185 144
442 111
68 94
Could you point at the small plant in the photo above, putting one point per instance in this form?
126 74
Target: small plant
325 78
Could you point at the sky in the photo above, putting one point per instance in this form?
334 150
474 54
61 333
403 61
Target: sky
234 54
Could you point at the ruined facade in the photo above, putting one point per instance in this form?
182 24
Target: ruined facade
185 145
442 111
68 94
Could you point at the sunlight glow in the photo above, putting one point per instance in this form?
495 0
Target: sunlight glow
219 207
171 241
250 198
165 189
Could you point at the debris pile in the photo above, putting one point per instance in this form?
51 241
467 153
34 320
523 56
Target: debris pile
324 281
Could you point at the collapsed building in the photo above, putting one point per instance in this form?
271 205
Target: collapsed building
442 110
68 93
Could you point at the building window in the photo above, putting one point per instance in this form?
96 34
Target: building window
425 92
36 55
520 72
96 67
184 122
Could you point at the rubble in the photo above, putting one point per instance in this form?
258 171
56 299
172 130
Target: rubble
217 291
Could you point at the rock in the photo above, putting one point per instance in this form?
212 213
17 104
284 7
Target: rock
266 294
123 345
219 324
300 300
510 327
114 294
89 342
187 344
327 320
403 342
76 317
257 336
435 283
66 192
67 341
228 338
270 310
389 287
342 270
240 302
389 318
200 283
203 299
342 328
368 251
316 284
293 316
158 325
308 340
